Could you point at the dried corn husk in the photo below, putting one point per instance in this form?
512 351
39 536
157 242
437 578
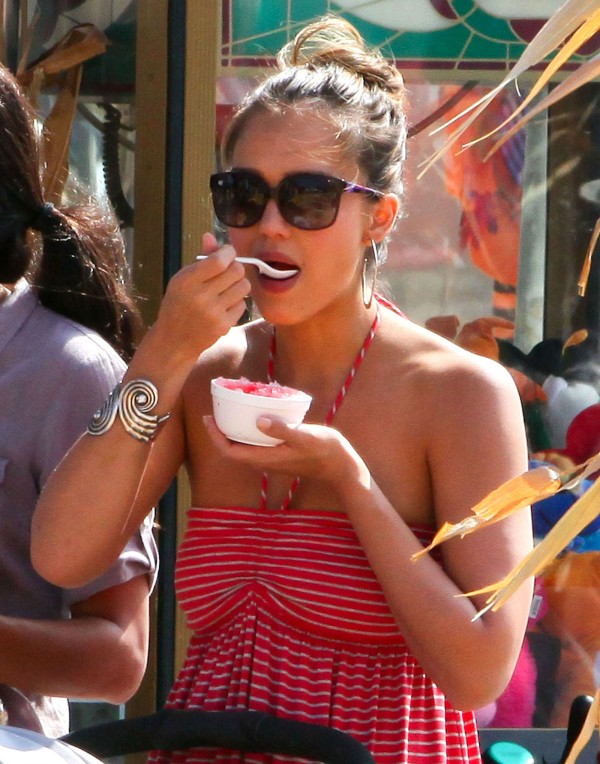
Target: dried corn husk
565 32
580 514
513 495
518 493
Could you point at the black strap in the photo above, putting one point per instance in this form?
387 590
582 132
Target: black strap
251 731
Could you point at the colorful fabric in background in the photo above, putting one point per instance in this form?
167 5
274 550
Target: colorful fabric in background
489 192
570 628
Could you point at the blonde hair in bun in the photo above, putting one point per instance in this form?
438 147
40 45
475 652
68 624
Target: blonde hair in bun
334 41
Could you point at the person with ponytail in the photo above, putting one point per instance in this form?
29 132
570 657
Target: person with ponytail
296 570
68 325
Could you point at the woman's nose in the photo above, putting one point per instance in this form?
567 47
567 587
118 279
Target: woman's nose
272 221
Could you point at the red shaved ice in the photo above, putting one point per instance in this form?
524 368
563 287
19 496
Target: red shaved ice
266 389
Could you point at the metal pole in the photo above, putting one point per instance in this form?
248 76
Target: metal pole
167 536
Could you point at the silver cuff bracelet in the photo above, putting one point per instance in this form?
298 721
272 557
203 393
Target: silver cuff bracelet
132 402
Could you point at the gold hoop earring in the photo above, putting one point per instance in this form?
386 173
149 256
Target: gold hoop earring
368 290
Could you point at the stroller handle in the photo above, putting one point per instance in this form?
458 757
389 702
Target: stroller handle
249 731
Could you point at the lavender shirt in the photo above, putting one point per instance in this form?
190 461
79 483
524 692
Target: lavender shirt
54 374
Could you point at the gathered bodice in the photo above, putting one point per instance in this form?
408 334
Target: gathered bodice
309 565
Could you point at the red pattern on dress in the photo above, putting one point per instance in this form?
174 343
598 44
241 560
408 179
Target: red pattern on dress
288 618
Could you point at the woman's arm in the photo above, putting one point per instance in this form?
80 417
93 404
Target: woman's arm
100 653
476 442
107 484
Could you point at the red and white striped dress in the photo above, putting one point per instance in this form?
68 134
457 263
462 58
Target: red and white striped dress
288 618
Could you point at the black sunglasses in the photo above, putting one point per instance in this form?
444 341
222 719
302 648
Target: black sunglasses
305 200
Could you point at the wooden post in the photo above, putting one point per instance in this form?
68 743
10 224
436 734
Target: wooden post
202 49
151 120
149 180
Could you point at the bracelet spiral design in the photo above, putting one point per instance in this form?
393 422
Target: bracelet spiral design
133 402
105 417
138 397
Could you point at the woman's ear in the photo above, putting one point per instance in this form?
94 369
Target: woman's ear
383 216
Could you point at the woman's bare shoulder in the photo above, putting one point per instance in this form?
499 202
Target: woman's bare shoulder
438 367
458 405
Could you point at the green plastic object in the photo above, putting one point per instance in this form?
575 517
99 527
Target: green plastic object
505 752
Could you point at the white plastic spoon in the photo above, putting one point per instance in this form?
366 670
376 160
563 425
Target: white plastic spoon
263 267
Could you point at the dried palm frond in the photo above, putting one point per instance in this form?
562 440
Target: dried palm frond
589 26
565 32
585 73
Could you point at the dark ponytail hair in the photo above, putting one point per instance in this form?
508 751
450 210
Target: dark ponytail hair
78 264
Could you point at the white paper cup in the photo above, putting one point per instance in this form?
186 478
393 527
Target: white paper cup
236 411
